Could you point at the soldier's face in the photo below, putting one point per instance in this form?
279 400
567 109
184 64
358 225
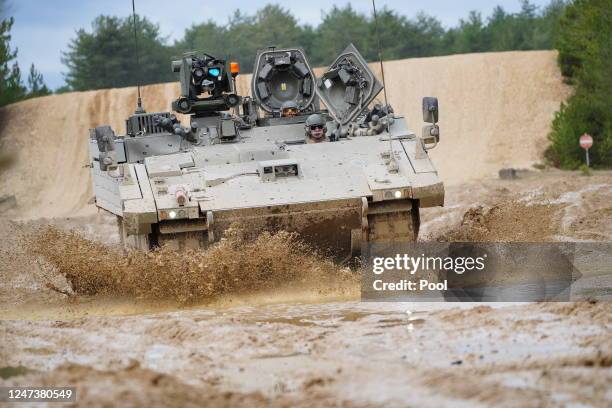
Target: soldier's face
317 131
290 112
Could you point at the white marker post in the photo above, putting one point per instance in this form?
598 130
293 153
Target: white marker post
586 142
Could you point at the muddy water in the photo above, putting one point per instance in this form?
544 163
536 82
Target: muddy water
299 339
236 266
83 276
368 354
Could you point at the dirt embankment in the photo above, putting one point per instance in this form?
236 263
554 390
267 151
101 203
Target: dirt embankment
496 110
542 206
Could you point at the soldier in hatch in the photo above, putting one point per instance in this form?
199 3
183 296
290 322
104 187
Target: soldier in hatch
315 129
289 109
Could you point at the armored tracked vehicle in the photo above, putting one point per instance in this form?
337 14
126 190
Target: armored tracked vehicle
242 160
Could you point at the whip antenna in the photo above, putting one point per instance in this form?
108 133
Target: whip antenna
139 108
382 72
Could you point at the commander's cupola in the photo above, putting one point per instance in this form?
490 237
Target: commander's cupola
283 75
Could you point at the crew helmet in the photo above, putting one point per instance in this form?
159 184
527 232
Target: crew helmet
314 120
289 106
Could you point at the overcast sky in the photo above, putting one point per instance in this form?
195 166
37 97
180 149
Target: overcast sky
43 28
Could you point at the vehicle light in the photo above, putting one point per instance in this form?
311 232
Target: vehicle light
181 196
397 194
172 214
199 72
234 68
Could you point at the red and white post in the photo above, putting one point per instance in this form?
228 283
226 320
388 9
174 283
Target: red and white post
586 142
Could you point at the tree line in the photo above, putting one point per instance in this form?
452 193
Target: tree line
105 56
12 87
585 59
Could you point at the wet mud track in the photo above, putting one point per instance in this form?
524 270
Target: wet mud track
363 354
292 346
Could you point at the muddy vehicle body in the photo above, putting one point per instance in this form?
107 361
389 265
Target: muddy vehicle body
241 162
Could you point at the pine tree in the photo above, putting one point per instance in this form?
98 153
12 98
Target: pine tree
585 55
11 87
106 56
36 84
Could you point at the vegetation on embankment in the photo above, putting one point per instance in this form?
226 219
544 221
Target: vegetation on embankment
584 44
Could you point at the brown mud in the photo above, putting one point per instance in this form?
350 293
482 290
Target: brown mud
541 206
235 265
162 330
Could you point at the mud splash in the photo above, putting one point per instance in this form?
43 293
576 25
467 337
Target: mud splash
506 221
235 265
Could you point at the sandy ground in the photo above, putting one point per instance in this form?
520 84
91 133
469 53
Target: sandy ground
540 206
331 354
301 346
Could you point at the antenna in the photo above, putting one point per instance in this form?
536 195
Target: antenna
139 108
382 72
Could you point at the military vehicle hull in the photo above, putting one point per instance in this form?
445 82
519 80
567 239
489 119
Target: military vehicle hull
342 195
185 187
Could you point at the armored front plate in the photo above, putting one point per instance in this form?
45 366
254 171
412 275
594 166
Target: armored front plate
140 147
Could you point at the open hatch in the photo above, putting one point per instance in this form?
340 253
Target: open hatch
280 76
348 86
